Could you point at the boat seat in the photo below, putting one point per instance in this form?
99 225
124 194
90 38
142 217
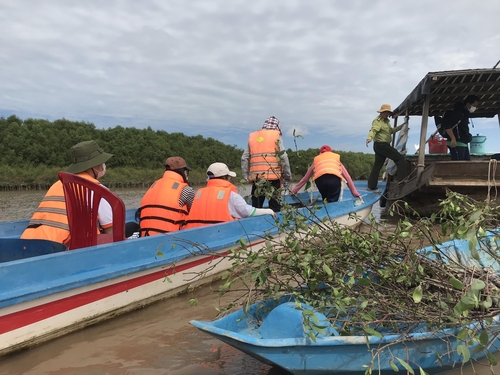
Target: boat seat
16 248
82 196
285 321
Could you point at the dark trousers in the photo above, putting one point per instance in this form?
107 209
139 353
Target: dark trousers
329 186
384 150
258 201
459 153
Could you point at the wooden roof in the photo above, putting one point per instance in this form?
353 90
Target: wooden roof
448 87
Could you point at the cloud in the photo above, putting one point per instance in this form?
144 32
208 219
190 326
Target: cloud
324 67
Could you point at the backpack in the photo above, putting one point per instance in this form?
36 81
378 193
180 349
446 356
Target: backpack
438 120
441 121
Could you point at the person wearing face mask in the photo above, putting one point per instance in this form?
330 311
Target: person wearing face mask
456 124
166 204
50 221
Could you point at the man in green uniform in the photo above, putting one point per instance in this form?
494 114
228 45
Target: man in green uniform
381 134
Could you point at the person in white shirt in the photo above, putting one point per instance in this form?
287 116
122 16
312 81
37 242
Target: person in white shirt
219 201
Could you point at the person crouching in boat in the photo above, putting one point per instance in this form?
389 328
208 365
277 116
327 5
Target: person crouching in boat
328 172
219 201
166 204
50 220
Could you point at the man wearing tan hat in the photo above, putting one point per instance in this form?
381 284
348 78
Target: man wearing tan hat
219 201
166 204
381 134
50 221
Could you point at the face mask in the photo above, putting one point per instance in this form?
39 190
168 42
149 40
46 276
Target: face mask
100 174
472 109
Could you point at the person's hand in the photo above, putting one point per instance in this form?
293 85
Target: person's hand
270 212
453 143
359 201
368 141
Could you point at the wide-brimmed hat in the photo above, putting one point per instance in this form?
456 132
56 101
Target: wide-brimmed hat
85 155
219 170
176 162
325 148
385 108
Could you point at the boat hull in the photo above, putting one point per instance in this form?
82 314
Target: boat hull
279 340
344 357
43 297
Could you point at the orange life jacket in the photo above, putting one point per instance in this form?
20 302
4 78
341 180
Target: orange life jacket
211 204
160 211
50 220
327 163
263 145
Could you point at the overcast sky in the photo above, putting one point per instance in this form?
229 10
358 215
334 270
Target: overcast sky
219 68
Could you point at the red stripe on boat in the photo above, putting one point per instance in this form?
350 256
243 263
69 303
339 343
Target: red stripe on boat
35 314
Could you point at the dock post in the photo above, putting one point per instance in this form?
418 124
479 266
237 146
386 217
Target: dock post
423 137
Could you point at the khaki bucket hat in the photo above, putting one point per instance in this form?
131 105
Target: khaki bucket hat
85 155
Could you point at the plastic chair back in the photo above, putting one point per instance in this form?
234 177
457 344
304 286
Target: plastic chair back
82 198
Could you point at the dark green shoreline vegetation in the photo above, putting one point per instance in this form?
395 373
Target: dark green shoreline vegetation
34 150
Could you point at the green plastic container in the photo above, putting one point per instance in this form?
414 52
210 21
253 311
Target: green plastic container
478 144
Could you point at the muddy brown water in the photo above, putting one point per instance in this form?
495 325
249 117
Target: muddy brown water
155 340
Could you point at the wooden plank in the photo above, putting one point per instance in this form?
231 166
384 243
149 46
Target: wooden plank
423 137
469 183
398 192
469 84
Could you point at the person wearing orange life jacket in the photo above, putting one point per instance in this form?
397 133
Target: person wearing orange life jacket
166 204
50 221
259 162
327 172
219 201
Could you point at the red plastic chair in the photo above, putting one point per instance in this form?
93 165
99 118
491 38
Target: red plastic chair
82 198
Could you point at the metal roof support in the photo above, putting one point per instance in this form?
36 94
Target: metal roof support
394 135
423 137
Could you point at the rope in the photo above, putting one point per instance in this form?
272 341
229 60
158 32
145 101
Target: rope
492 163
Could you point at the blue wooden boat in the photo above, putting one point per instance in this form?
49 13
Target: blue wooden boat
273 333
47 291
